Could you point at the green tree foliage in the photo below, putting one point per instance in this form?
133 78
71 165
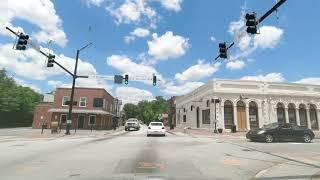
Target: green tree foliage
131 110
17 103
147 111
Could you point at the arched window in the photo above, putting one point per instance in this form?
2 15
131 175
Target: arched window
280 113
253 115
228 115
303 115
313 117
292 113
191 108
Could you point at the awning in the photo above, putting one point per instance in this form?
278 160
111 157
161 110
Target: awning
81 111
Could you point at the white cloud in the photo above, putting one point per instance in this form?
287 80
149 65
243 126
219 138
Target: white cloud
271 77
236 64
38 12
138 32
171 89
125 65
269 37
31 64
309 80
197 72
213 39
132 11
133 95
174 5
25 84
94 2
167 46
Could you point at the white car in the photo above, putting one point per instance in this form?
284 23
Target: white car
156 128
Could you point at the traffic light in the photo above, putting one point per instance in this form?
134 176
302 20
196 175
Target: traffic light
251 23
154 80
22 42
223 50
126 79
51 58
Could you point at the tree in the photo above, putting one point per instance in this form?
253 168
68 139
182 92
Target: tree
17 103
149 111
131 110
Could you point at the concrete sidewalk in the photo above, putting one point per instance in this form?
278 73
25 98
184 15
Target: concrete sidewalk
36 134
210 133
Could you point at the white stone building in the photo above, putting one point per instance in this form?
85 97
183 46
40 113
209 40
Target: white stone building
249 104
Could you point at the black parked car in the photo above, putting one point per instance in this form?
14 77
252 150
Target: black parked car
281 132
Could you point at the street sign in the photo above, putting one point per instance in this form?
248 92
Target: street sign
68 121
74 103
118 79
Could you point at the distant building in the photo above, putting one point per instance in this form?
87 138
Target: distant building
164 119
249 105
172 111
94 107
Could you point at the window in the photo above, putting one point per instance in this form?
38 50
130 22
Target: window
184 118
105 103
98 102
83 102
64 100
92 119
191 108
63 118
208 103
184 109
206 116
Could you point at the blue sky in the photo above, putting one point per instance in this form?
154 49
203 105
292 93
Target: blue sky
175 39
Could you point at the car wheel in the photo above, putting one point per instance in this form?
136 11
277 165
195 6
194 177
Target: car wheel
269 138
164 135
125 129
148 135
307 138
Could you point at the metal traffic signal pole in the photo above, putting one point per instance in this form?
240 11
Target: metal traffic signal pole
74 77
274 8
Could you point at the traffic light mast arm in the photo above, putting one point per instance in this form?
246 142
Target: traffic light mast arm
263 17
63 68
275 7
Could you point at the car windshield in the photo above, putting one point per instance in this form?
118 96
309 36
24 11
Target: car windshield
271 126
155 124
159 89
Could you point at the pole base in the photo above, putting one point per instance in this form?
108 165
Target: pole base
215 131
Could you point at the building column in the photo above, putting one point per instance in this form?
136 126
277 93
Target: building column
286 114
247 116
318 116
308 118
235 116
260 116
298 116
221 117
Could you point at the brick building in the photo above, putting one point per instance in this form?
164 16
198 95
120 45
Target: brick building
94 107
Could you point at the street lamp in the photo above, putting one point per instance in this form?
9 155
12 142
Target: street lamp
74 77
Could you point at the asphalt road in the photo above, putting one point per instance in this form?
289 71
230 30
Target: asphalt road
133 155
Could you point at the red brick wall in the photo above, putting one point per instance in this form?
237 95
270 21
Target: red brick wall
41 110
90 93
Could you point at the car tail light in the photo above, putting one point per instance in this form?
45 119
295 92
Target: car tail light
149 127
162 127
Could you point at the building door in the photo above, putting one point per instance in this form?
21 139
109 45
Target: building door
80 121
198 121
241 116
